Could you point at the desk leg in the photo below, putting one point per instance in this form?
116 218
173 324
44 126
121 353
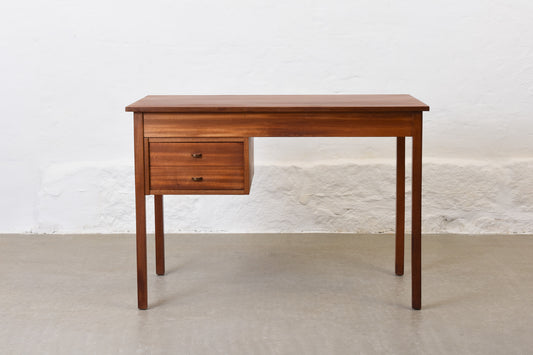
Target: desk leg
140 211
159 236
400 204
416 240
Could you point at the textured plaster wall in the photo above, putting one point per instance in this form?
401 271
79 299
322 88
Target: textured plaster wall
345 196
68 68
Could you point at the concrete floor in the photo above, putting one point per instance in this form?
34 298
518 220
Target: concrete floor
265 294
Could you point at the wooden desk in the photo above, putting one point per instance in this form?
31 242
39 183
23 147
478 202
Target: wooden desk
204 145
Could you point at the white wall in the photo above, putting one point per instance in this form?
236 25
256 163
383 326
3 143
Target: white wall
68 68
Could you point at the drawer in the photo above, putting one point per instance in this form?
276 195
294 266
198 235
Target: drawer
197 178
198 165
196 154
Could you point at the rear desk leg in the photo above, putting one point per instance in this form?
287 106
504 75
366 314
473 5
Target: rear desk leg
159 236
400 204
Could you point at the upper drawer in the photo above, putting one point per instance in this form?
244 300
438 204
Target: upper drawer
196 154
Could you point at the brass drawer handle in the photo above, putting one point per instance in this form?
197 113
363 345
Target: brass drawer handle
199 178
196 155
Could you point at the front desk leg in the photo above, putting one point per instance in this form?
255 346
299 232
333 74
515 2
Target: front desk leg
140 212
142 289
416 240
400 205
159 236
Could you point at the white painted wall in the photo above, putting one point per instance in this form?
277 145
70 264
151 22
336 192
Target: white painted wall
68 68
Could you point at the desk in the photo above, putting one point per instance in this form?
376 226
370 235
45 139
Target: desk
187 144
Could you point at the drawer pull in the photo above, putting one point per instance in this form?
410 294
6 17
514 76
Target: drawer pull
199 178
196 155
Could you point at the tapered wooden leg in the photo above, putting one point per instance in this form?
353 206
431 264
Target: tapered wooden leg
400 204
416 240
142 288
140 212
159 236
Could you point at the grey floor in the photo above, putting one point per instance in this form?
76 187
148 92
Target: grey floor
265 294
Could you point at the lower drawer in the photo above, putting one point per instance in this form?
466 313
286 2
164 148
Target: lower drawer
196 178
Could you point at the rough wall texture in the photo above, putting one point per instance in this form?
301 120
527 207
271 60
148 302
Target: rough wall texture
354 197
68 69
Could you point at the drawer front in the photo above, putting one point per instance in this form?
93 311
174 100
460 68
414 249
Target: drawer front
186 165
196 154
196 178
204 166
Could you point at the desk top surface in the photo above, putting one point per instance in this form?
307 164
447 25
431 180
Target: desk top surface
277 103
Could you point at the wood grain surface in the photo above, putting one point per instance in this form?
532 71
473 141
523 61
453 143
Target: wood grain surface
198 166
196 154
276 103
362 124
210 178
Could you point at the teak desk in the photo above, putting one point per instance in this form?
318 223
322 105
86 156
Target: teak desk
204 145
